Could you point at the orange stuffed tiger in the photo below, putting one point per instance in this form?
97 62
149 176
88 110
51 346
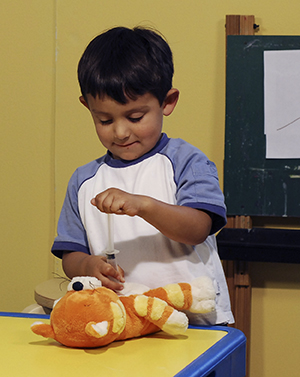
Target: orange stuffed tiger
90 315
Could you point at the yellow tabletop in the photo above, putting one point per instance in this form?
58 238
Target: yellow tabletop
22 353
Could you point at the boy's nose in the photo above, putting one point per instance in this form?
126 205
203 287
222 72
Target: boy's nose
121 131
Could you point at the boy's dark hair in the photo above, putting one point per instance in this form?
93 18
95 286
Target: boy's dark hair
126 63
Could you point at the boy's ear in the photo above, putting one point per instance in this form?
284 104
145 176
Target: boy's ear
170 101
83 101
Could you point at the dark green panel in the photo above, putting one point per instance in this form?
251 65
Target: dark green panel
254 185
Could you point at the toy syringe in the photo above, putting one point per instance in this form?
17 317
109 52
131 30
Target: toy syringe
111 251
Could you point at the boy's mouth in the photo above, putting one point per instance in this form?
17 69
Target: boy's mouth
126 145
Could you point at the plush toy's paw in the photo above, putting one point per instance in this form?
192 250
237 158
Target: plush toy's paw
204 295
176 324
133 289
43 329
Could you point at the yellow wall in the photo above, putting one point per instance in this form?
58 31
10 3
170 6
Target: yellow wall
27 219
46 134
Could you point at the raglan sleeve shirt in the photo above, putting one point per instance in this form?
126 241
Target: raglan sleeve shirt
175 172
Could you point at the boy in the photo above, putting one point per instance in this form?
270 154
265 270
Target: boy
163 193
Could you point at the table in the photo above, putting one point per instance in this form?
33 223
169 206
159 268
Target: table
202 351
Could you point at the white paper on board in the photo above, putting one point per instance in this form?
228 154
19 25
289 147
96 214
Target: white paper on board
282 103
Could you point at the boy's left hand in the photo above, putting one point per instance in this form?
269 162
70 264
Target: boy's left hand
119 202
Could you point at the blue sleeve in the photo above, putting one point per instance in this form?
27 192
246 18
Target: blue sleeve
71 235
197 181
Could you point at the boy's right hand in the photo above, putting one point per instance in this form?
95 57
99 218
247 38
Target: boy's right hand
98 267
81 264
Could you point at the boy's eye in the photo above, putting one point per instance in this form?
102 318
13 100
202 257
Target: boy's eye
135 119
105 122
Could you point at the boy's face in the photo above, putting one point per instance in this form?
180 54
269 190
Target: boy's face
127 131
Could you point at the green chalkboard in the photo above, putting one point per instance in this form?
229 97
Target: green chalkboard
254 185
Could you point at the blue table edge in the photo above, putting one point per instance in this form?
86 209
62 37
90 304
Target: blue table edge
205 363
24 315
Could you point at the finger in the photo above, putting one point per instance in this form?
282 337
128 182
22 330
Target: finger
109 282
112 284
97 203
122 273
113 203
115 274
110 272
104 202
100 199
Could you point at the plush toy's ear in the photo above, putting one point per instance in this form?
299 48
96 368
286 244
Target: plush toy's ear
43 329
97 330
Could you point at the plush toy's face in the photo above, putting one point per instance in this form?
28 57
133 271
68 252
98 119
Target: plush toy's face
88 315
